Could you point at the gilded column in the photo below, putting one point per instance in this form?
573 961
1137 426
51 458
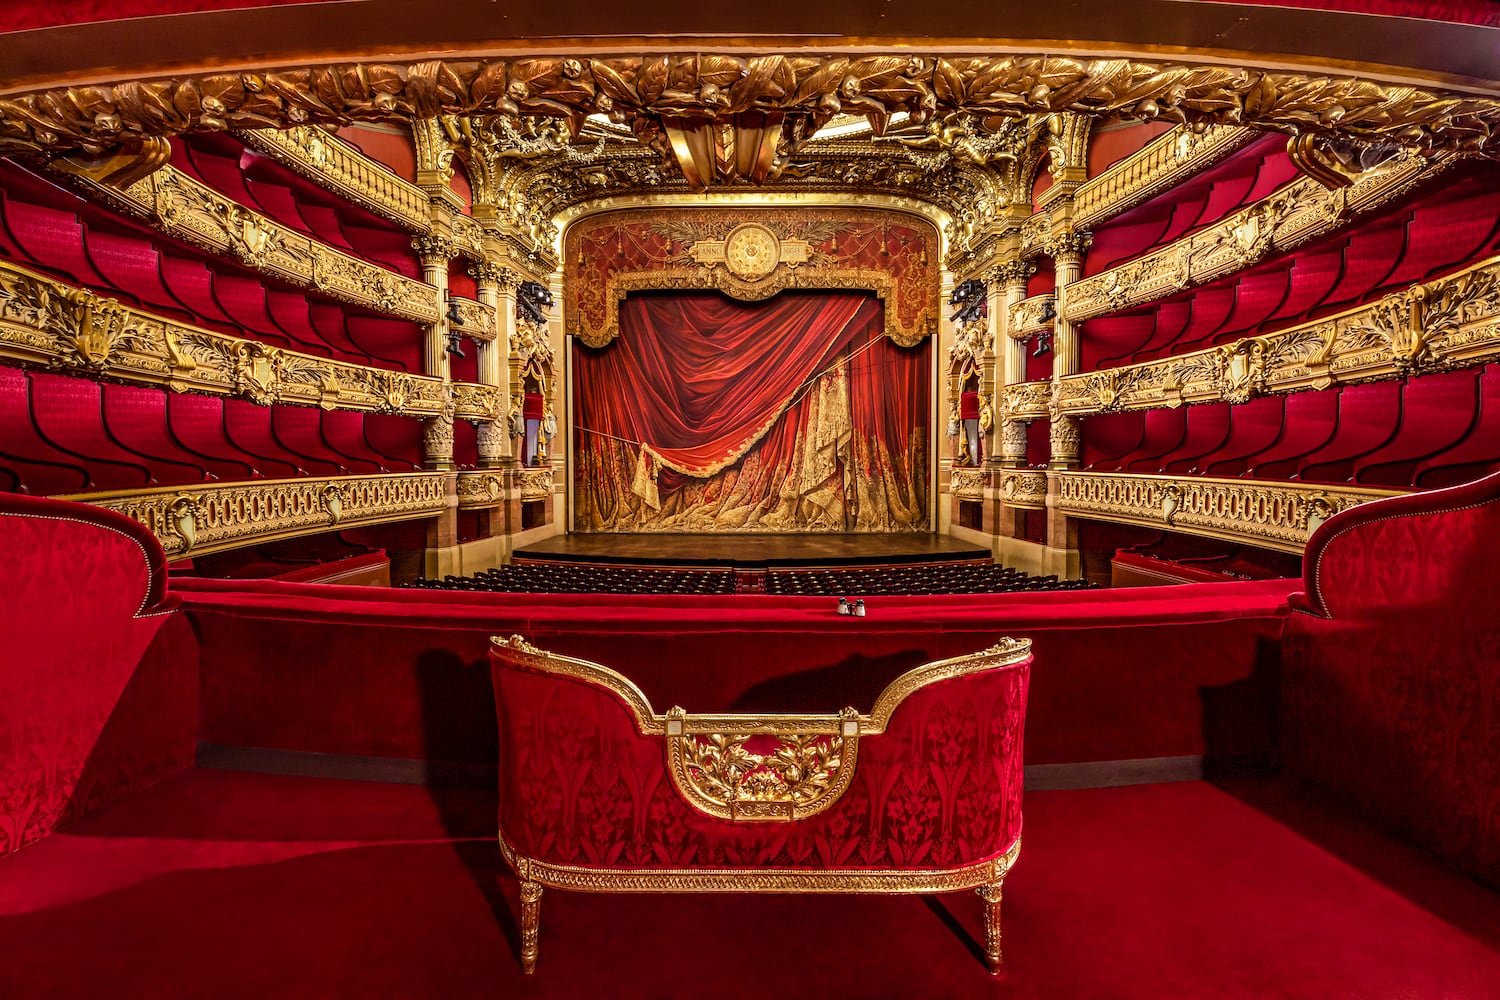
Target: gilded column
507 362
437 436
989 383
1012 275
1066 250
495 445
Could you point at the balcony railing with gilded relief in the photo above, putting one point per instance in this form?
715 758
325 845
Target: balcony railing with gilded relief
45 322
1448 323
202 518
187 209
333 164
1026 401
1162 163
1275 515
1302 211
487 487
1032 314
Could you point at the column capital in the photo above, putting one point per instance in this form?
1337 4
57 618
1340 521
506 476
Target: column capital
434 250
1010 272
503 278
1070 243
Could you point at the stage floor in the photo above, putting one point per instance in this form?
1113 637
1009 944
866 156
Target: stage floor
750 551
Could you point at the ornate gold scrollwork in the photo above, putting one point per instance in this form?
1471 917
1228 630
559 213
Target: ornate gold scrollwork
799 775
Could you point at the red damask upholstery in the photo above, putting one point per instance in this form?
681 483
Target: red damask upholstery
1391 690
584 788
98 680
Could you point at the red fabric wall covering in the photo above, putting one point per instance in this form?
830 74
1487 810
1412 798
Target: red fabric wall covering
65 435
1477 453
399 673
98 687
1442 231
1392 434
1392 701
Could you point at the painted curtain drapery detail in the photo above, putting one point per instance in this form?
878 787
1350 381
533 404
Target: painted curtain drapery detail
713 415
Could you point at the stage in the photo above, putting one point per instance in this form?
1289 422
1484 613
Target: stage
750 551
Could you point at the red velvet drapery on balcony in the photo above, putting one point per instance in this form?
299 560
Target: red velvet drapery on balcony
709 415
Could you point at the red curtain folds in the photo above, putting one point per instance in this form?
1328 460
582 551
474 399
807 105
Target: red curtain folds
707 414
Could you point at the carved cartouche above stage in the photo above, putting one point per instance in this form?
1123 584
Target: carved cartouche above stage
752 254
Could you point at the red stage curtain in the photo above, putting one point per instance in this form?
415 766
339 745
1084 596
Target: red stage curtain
707 414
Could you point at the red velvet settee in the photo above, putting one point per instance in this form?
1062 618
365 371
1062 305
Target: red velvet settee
921 793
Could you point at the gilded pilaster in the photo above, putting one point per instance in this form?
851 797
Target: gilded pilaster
1012 277
495 445
1066 250
437 435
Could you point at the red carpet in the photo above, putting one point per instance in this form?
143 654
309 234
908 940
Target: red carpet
228 885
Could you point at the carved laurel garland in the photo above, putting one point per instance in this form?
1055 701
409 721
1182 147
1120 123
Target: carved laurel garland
97 118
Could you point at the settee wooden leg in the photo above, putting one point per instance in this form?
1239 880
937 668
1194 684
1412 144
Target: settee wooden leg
991 896
531 909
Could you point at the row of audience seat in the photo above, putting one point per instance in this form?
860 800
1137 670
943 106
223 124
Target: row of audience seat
67 435
925 578
589 578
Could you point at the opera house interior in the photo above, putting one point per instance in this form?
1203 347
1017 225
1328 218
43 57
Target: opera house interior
631 501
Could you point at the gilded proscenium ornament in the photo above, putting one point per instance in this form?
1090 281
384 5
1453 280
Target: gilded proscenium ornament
813 759
1302 211
1276 515
1452 322
47 323
200 518
891 254
336 166
187 209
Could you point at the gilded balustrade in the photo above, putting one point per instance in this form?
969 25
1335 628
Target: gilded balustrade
1274 515
333 164
1164 162
201 518
187 209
